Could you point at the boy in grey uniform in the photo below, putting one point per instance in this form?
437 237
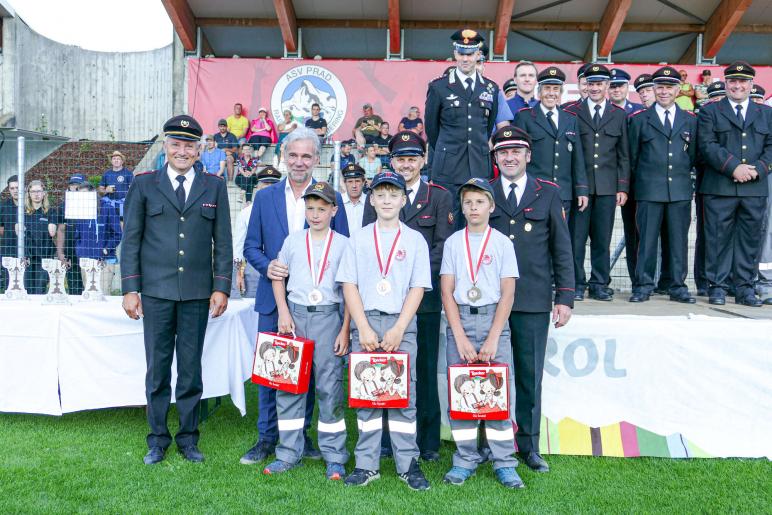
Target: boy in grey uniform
477 278
312 310
384 271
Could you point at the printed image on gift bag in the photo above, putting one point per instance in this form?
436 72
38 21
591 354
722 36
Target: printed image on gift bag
379 380
478 392
283 362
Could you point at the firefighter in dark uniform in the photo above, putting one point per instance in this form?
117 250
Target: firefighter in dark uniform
177 253
735 140
581 83
644 86
619 88
662 154
556 153
529 212
429 210
603 132
460 114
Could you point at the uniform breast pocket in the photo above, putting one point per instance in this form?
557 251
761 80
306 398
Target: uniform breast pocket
613 132
534 214
208 213
427 221
155 209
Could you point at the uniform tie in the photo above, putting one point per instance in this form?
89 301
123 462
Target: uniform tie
668 125
512 197
469 86
409 202
180 192
739 109
552 120
596 116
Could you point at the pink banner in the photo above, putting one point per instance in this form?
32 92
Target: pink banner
342 87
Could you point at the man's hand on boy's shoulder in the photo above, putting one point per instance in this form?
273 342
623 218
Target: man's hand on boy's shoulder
277 270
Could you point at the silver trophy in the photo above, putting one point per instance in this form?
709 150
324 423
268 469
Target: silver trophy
15 267
92 290
57 293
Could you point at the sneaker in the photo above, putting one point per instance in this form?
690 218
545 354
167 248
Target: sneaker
414 478
335 471
311 452
258 453
361 477
458 475
278 467
508 477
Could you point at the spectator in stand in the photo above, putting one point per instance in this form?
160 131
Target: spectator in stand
238 123
65 239
525 79
8 219
346 157
413 122
354 199
370 163
228 143
382 140
685 98
368 126
39 232
99 238
510 89
246 171
262 132
285 127
701 89
116 181
213 158
316 122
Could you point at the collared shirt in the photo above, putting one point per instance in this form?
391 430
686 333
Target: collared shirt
296 209
554 113
414 189
300 283
462 78
519 189
661 113
744 104
591 105
190 175
498 261
213 159
410 266
240 231
354 212
516 103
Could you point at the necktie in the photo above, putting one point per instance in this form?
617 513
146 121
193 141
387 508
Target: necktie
409 202
180 192
469 86
739 109
596 116
512 197
668 125
552 120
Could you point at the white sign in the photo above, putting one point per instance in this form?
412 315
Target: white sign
80 205
300 87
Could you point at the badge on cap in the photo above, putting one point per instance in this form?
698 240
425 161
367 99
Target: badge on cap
740 68
595 69
553 72
318 186
507 134
184 123
666 72
405 137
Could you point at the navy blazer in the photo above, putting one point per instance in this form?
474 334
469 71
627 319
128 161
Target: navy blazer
266 234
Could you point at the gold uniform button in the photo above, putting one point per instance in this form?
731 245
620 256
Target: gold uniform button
596 145
597 135
555 179
743 134
595 166
669 142
669 154
469 141
182 235
470 129
182 219
556 167
743 161
181 269
511 236
182 253
595 156
745 147
470 116
511 222
669 167
670 179
557 142
557 154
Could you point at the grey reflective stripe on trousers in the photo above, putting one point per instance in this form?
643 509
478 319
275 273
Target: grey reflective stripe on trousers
402 422
764 286
323 328
500 433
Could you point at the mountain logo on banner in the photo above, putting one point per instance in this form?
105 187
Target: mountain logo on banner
300 87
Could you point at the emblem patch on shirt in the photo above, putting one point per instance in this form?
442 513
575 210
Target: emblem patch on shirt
120 178
487 259
400 255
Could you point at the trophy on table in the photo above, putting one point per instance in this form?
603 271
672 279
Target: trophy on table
92 290
57 294
15 267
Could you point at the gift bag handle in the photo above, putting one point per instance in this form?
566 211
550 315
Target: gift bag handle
294 336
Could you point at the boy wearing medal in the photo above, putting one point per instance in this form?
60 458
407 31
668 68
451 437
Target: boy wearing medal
477 279
310 306
384 271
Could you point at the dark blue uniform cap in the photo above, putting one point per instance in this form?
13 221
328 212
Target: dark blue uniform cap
666 75
509 85
183 127
757 91
739 70
581 70
643 81
510 137
388 177
596 73
406 143
716 88
467 41
353 171
551 75
476 183
619 76
269 174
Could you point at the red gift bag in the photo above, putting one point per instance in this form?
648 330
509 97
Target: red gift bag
283 362
378 380
478 391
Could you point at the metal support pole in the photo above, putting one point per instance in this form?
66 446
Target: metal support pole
20 152
336 166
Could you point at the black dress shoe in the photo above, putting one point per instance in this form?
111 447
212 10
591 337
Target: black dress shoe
579 296
602 295
259 452
767 301
534 461
154 455
683 298
430 456
717 300
639 297
750 300
191 453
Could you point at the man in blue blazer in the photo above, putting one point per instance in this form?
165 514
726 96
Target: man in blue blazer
278 211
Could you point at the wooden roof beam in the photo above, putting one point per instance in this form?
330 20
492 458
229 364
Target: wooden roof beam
288 23
721 24
611 24
395 43
503 20
183 21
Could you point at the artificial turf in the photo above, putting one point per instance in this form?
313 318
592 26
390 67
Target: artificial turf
92 462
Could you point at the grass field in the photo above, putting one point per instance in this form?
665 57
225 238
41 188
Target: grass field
92 462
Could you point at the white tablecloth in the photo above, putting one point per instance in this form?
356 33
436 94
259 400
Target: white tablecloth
60 359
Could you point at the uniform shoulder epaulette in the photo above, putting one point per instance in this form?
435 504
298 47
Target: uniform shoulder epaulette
140 174
432 185
571 104
569 111
690 112
526 108
213 175
437 78
639 111
547 182
617 107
